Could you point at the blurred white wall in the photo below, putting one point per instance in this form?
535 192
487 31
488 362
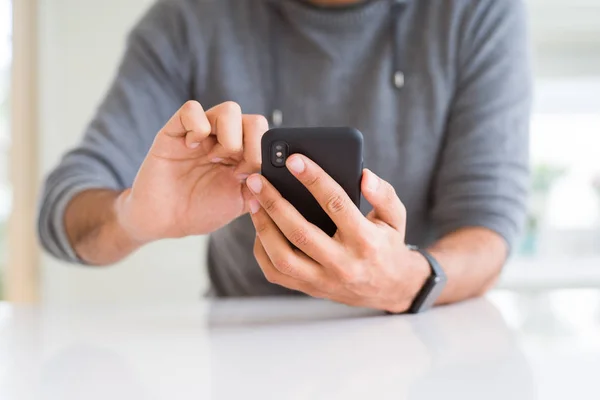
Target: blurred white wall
566 37
81 44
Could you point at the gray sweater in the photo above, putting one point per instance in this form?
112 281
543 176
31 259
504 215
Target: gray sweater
439 88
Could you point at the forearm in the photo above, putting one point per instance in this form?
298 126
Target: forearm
472 258
93 228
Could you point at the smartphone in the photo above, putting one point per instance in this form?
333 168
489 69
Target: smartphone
339 151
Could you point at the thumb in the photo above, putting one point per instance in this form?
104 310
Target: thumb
387 207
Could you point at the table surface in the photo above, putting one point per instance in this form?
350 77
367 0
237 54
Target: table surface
543 345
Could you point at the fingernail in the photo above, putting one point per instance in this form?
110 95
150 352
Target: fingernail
296 165
254 206
254 183
194 145
372 182
242 177
216 160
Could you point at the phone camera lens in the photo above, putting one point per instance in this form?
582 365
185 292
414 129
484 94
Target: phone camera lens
279 153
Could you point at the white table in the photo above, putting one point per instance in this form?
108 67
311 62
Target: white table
509 346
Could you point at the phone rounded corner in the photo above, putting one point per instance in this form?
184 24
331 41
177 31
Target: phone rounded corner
268 136
357 134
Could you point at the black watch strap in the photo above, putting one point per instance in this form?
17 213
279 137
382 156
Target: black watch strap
433 286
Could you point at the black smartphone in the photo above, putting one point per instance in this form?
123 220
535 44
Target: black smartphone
339 151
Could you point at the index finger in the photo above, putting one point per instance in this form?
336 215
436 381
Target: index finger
226 122
305 236
189 122
329 194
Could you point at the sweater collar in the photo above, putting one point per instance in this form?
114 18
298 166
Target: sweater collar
349 17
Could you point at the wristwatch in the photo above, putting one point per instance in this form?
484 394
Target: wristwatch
433 286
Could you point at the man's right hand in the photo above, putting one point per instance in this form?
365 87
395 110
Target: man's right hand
192 180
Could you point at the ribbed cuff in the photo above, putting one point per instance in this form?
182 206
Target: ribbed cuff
52 231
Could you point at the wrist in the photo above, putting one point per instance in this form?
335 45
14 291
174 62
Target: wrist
122 227
420 272
416 271
93 228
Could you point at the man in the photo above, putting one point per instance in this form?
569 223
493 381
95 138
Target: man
440 90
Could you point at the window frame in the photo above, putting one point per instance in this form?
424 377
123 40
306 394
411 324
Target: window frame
22 270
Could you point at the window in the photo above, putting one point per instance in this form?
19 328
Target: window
5 63
564 218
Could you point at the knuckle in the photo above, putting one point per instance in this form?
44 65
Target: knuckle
360 278
263 123
257 122
392 197
368 247
270 206
285 265
190 107
355 277
271 277
299 237
327 287
256 250
390 190
312 180
402 210
259 253
232 107
345 276
336 203
261 227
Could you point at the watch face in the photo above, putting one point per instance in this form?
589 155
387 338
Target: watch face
433 295
431 291
433 286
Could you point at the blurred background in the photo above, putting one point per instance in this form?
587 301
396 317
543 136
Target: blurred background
77 47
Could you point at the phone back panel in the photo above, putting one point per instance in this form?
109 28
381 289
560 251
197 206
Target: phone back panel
337 150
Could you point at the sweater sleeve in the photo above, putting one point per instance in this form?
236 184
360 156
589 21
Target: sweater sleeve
152 82
483 170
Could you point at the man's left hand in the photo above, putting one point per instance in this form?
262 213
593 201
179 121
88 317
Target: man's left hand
365 264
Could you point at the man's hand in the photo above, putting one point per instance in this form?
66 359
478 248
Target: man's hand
191 182
365 264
